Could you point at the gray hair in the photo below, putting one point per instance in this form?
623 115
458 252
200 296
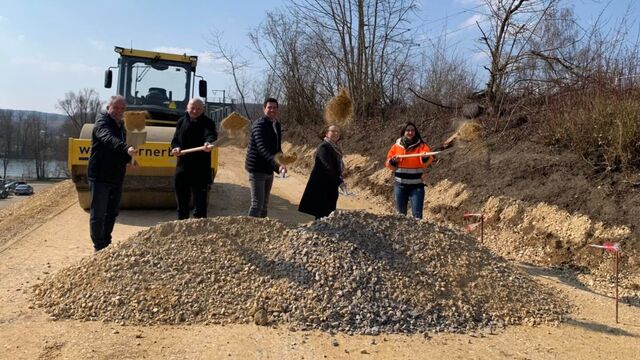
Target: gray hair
197 100
114 99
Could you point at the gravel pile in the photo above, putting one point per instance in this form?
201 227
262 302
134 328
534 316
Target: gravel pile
351 272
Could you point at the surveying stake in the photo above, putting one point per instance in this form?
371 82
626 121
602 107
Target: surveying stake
614 248
472 226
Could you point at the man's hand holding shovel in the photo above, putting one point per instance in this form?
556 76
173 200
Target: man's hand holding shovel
131 151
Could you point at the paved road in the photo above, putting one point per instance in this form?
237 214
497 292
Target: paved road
13 199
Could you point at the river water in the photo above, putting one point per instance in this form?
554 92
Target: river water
26 169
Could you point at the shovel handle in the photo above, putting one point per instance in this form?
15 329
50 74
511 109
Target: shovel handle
195 149
419 154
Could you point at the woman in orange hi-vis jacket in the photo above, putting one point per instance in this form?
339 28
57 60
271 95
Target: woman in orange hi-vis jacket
409 171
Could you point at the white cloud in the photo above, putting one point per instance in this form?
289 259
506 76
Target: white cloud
97 45
56 66
21 38
174 50
472 20
208 58
1 18
205 58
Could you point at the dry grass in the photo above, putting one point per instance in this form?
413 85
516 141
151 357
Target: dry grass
603 127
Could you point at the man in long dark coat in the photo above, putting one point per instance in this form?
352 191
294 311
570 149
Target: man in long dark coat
193 170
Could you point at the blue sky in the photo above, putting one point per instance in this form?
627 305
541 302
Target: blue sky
48 48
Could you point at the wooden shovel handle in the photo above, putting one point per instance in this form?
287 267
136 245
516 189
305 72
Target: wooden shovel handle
195 149
419 154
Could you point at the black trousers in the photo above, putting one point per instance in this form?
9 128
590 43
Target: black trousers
185 189
105 205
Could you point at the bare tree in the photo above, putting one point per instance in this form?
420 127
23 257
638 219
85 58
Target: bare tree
281 42
237 65
81 108
507 39
567 54
316 46
35 133
6 139
368 40
445 77
590 71
20 135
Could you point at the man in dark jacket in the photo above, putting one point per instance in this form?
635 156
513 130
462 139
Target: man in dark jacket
110 155
264 144
193 171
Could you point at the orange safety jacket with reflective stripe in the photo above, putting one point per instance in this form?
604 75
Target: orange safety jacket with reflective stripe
409 171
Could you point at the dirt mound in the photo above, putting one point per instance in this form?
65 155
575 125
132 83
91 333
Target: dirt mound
542 208
41 207
352 272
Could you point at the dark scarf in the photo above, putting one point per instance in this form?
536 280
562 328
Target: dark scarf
406 143
338 150
335 146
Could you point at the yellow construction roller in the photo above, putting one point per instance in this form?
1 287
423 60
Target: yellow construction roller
149 185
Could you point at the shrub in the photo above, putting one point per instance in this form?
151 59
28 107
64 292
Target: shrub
602 126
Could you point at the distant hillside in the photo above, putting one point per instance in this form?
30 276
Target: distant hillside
53 120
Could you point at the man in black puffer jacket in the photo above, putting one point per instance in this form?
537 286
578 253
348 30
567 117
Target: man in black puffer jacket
193 170
110 155
264 143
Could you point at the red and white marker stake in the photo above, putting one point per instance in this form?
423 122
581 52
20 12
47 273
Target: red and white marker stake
614 248
473 226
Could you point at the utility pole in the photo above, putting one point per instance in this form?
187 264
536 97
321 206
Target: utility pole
223 94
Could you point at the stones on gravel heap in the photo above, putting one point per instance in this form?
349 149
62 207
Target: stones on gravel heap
351 272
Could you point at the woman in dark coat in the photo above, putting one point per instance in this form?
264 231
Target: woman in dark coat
321 194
